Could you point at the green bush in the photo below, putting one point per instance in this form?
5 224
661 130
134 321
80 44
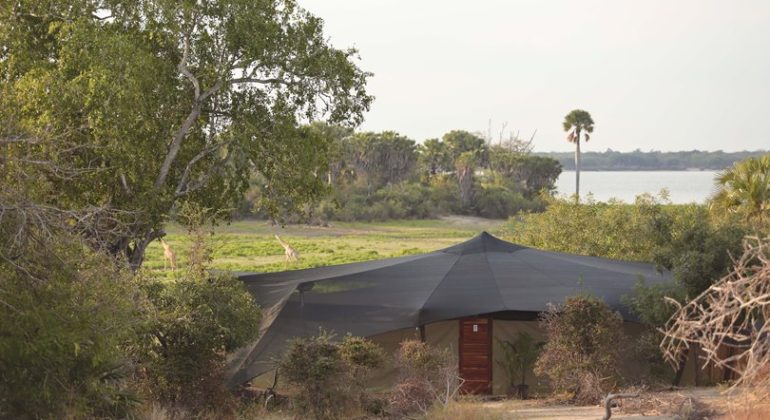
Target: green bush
685 239
330 377
66 315
582 355
197 319
496 202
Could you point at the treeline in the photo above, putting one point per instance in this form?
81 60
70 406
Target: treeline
380 176
638 160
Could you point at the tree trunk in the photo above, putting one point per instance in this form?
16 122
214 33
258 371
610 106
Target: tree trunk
577 166
465 180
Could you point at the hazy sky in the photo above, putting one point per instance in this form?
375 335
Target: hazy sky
655 74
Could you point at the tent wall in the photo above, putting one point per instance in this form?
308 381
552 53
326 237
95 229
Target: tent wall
507 331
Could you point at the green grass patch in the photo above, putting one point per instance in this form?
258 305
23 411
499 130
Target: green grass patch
250 246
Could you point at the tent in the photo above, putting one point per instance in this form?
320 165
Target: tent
482 281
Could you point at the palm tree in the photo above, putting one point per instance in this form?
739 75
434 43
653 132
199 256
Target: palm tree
745 188
576 123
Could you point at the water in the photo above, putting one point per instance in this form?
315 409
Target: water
682 186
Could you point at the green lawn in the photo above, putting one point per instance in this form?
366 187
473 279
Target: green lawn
251 246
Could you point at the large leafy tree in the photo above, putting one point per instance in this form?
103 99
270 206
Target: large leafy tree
578 123
745 189
164 102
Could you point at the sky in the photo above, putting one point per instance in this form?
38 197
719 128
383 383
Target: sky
654 74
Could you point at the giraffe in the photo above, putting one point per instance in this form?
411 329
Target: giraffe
291 253
169 257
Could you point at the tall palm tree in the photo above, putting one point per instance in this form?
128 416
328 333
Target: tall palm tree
576 123
745 188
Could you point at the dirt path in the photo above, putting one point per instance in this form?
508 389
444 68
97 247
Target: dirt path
540 410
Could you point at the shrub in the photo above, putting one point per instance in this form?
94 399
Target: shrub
65 316
583 349
428 376
650 305
331 377
685 239
198 319
499 202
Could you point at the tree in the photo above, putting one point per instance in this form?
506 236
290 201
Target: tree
467 152
745 189
382 158
175 102
578 122
434 157
522 171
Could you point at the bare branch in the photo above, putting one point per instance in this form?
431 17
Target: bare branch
734 313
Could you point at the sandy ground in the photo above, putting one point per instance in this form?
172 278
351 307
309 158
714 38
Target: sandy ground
540 410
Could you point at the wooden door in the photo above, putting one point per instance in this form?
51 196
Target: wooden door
475 351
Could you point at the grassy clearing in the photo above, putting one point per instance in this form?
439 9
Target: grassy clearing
251 246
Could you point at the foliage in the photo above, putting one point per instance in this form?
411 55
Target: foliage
650 303
384 176
158 102
519 356
328 375
379 159
582 354
498 202
467 152
66 315
696 246
685 239
745 189
434 158
361 353
578 122
198 318
530 174
610 230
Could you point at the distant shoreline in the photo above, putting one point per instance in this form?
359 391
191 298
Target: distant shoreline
684 161
642 170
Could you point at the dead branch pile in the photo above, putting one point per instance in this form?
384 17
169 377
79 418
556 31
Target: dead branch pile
666 404
729 321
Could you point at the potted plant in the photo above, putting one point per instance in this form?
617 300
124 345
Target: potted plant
519 355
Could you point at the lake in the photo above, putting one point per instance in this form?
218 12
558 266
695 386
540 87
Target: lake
683 186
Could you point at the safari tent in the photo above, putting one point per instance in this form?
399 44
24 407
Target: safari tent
463 297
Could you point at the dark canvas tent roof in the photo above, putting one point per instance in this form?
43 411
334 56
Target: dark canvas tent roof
479 276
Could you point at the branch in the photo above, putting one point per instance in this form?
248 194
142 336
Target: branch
195 112
261 81
608 402
182 187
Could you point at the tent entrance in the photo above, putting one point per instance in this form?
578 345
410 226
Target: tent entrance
475 355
